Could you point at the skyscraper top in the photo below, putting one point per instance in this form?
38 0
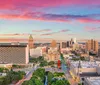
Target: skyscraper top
53 44
30 37
30 43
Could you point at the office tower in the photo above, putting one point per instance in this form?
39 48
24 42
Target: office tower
30 42
96 46
68 43
92 45
64 44
99 52
15 54
53 44
71 43
74 40
88 45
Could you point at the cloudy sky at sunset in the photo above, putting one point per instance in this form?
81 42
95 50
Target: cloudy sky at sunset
50 19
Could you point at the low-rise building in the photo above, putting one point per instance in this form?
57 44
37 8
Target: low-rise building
81 69
92 81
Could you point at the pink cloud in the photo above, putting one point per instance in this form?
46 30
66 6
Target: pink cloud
88 20
33 16
64 30
47 34
91 29
61 31
72 34
16 17
51 17
44 30
16 34
22 4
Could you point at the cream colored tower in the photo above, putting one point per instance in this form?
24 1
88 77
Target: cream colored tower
30 42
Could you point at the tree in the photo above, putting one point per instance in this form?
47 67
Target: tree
40 73
51 63
50 76
43 63
25 83
3 70
31 82
56 74
60 82
38 82
40 58
33 60
82 58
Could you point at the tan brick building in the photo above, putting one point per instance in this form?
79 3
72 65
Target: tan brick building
16 54
92 45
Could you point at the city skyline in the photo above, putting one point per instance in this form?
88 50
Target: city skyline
50 19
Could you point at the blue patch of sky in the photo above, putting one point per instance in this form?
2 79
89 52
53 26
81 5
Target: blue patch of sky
73 10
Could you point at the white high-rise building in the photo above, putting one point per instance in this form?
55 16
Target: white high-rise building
75 40
36 52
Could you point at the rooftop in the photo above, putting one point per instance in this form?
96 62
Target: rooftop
85 64
13 45
94 80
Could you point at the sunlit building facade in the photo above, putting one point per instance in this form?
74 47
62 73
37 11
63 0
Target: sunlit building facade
31 42
92 45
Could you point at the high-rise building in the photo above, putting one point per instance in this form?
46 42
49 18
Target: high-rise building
88 45
96 46
53 44
74 40
71 43
31 42
15 54
64 44
92 45
68 43
99 52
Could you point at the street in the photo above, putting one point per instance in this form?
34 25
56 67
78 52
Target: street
28 75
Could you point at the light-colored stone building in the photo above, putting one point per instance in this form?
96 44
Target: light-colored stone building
53 54
15 54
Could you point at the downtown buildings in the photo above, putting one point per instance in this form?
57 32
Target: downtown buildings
92 46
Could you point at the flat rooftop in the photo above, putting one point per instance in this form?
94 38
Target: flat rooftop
13 45
94 80
85 64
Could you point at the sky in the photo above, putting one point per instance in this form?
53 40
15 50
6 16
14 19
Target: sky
50 19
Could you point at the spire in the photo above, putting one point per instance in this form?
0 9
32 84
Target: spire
30 37
31 43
